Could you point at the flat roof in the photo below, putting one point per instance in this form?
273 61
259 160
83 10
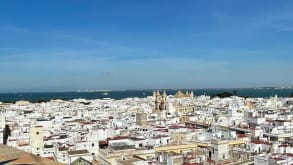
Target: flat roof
121 146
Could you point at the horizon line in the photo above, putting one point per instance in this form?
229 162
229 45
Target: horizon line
146 89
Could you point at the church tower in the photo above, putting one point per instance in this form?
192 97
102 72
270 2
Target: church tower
160 101
157 101
164 101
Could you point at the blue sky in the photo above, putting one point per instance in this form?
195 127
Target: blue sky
58 45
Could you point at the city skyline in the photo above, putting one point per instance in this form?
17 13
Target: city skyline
80 45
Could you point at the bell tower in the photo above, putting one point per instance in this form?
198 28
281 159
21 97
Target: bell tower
157 101
164 101
160 101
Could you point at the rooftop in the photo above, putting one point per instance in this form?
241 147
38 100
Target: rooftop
12 156
78 152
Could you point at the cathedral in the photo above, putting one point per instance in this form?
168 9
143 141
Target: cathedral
180 94
160 101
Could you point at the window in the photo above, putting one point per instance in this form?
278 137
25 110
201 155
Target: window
93 144
37 133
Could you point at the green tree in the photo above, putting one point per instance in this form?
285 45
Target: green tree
223 95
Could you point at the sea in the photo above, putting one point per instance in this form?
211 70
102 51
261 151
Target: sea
265 92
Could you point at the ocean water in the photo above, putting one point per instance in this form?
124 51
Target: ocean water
45 96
